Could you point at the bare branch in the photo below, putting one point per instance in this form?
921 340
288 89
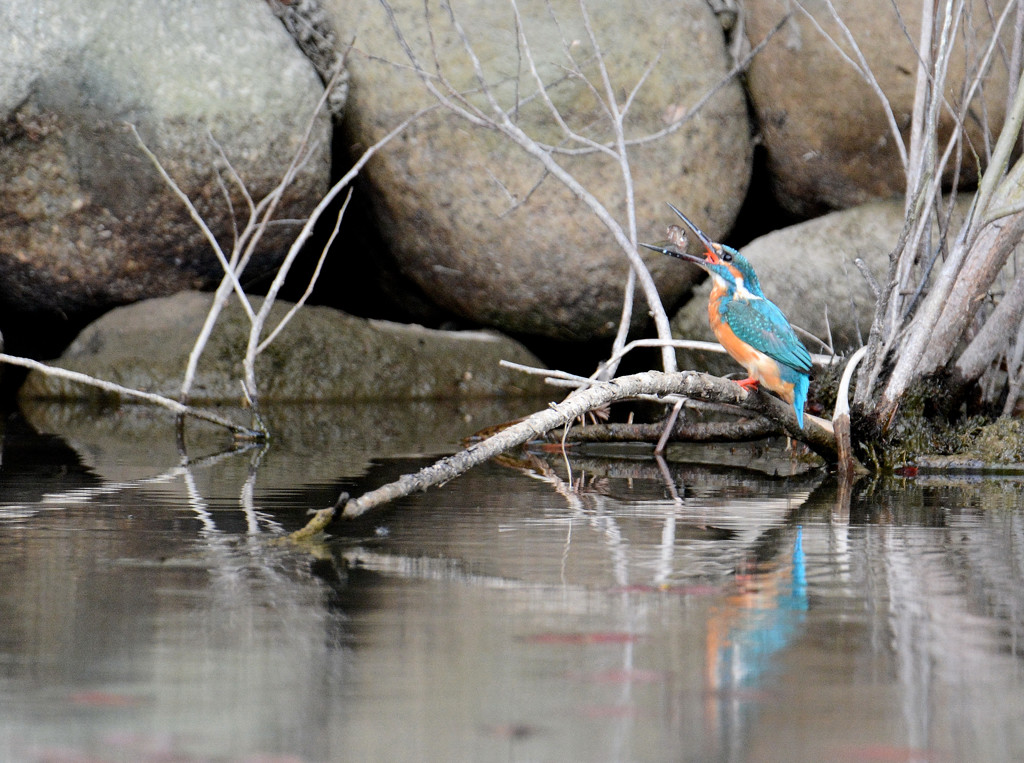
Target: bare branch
868 276
116 389
1015 370
862 67
312 280
990 342
193 213
816 434
258 323
1008 137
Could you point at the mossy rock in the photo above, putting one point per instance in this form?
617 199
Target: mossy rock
1001 442
321 355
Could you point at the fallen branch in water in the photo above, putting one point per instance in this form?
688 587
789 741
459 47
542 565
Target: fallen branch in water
817 434
174 406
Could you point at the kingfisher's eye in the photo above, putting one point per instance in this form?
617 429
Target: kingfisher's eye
726 256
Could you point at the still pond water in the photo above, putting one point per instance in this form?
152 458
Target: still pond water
637 611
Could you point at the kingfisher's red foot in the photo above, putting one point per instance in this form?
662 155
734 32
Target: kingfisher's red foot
748 383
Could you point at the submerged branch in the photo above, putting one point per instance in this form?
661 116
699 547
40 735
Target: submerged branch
817 434
712 431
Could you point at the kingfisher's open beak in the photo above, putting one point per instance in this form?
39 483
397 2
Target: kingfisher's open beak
670 249
711 246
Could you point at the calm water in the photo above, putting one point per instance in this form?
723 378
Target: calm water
636 611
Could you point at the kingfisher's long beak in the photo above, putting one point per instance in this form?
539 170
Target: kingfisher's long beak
671 251
711 246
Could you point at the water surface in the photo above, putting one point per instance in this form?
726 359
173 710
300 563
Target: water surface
732 609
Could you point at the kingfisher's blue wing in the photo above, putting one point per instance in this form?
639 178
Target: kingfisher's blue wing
761 324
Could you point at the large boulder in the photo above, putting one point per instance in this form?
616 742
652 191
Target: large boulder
87 221
474 220
322 355
829 144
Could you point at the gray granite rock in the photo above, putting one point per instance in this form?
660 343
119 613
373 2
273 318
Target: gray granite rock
829 144
322 355
473 220
87 221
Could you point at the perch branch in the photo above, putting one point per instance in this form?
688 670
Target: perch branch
817 434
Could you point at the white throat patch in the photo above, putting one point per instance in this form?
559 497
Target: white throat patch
740 291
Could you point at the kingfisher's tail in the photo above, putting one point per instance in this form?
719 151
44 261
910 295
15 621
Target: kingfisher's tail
800 386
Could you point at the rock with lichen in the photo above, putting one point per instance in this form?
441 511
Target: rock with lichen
87 221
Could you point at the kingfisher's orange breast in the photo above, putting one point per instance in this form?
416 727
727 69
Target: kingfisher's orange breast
758 365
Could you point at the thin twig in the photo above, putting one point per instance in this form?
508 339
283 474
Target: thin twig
259 321
193 213
311 284
669 425
869 277
862 67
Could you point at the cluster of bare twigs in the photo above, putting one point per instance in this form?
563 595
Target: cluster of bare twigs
233 261
935 294
245 241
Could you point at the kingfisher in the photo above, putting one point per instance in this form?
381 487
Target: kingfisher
750 327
